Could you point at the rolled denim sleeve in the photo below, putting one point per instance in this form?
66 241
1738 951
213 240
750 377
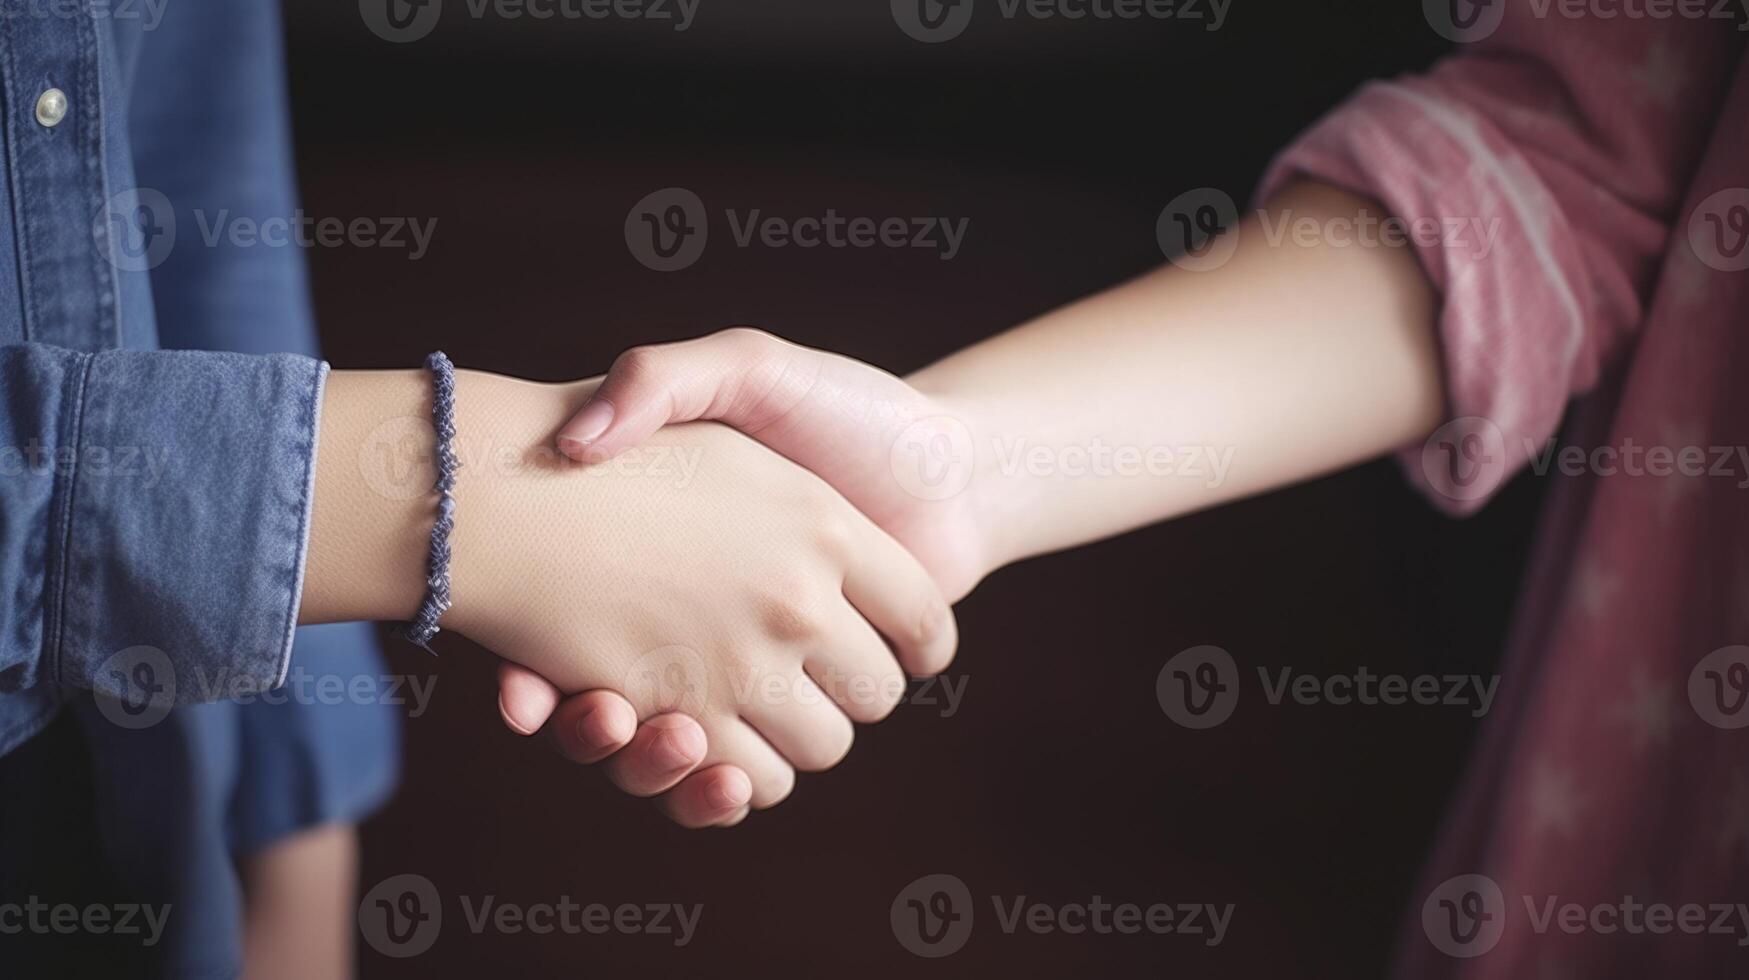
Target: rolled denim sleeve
155 501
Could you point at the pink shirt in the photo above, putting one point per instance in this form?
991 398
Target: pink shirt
1603 166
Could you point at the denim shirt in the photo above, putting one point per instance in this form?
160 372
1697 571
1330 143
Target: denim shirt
153 503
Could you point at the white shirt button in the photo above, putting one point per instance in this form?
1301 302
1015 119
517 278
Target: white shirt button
51 107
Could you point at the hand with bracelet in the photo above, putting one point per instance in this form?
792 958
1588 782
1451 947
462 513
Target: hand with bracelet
720 591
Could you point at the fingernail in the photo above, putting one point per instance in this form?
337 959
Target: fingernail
731 794
582 729
590 423
670 748
515 724
668 754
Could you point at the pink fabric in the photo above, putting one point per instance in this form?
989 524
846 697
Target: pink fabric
1614 155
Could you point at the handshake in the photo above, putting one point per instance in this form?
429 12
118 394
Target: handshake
708 636
695 609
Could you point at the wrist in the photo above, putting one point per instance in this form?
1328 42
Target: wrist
504 438
374 504
994 508
964 505
370 520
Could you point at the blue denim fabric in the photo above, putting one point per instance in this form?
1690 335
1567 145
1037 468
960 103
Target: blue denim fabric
201 558
158 498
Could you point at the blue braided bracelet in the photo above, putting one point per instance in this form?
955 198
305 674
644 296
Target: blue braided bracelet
424 625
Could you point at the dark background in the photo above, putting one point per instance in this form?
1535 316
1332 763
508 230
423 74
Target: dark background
1059 778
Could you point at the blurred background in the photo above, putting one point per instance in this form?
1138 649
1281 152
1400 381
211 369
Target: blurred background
1054 773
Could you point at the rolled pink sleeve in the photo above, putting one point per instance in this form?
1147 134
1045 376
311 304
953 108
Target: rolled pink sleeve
1537 174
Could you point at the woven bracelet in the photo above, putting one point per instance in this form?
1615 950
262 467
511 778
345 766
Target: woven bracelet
424 625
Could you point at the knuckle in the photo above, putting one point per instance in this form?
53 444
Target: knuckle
638 364
792 616
835 533
747 338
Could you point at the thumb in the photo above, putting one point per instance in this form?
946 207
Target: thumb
742 377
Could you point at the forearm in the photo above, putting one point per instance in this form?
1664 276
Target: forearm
1287 362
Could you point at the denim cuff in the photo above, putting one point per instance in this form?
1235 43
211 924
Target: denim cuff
181 521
